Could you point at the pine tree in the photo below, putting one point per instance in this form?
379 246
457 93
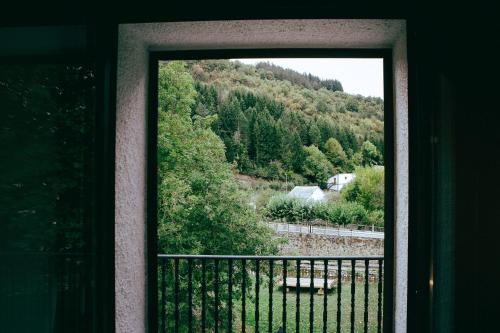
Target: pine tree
314 136
297 152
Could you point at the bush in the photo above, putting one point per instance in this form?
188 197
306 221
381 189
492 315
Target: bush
294 210
346 213
316 166
376 218
367 188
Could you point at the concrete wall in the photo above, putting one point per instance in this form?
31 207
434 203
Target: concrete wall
135 41
400 68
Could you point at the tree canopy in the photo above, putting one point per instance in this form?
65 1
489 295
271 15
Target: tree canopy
316 166
200 209
266 113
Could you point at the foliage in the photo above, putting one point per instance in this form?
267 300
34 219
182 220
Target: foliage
316 166
305 80
376 217
335 154
367 188
370 154
201 209
344 213
176 92
290 209
293 210
267 113
313 134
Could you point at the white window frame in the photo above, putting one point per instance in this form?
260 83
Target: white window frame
135 41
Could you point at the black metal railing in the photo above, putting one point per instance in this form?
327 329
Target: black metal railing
227 293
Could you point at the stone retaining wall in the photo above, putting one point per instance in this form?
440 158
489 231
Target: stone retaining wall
321 245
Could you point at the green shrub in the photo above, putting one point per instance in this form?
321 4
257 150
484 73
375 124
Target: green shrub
346 213
293 210
376 218
367 188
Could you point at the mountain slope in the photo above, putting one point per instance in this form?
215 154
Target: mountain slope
267 116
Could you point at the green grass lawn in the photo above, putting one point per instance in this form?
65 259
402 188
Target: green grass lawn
304 310
277 309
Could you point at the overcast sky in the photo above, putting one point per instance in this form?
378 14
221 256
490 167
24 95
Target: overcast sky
358 76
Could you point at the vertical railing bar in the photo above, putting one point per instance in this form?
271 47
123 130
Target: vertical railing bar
203 295
176 295
190 295
354 326
216 295
297 293
163 295
283 318
379 305
270 319
230 296
257 290
339 294
243 294
311 298
353 293
325 296
367 262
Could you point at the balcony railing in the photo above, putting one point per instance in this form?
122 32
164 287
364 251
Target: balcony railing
229 293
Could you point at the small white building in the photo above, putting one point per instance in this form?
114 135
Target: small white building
307 193
338 181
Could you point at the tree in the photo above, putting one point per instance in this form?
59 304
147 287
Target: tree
276 170
200 207
296 151
347 139
313 134
316 166
323 107
335 153
176 93
352 105
370 154
228 126
268 139
367 188
197 194
260 107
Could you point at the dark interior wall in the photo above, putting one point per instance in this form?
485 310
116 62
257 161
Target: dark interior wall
477 173
456 81
56 179
456 140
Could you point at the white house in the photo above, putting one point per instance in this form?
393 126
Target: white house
338 181
307 193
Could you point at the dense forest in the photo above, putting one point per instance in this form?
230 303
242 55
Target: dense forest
278 123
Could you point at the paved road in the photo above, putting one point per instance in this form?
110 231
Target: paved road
305 229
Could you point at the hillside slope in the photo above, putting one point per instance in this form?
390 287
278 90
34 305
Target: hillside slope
267 116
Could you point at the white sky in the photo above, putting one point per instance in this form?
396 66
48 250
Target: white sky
358 76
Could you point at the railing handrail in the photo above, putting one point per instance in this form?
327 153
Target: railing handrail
255 257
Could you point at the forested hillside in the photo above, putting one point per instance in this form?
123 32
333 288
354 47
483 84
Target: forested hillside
276 122
219 118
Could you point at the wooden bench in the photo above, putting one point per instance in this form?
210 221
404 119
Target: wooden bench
305 283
